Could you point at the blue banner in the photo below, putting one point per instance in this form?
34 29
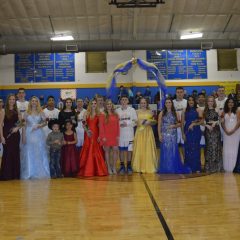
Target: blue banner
64 67
197 64
24 68
179 64
45 67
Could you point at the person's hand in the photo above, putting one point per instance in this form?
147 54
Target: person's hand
3 141
184 137
172 126
35 127
89 133
209 127
64 142
229 133
191 126
14 130
160 138
124 124
57 141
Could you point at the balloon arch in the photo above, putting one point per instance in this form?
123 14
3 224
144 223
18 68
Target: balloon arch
124 67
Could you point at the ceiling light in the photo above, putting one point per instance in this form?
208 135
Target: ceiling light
191 35
62 38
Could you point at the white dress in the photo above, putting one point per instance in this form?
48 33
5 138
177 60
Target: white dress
79 129
180 106
230 143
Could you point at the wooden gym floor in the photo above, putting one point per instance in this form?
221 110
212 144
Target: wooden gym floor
138 207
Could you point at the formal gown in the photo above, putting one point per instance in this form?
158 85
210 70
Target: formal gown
91 158
213 147
170 160
192 145
69 157
63 116
112 124
237 167
35 163
10 168
230 143
145 157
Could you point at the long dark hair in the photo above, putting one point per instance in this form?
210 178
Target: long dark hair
226 108
172 108
72 108
8 113
195 103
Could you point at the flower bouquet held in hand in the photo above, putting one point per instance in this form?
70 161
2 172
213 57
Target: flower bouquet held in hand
19 124
86 128
146 122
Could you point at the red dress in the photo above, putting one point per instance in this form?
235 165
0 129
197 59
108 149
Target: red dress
109 129
69 157
91 157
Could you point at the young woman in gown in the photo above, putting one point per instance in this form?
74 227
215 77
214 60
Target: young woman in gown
213 147
92 156
145 158
35 163
109 135
237 167
191 132
170 160
67 113
231 135
10 138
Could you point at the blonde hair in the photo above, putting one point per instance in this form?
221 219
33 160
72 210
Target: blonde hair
112 110
89 108
38 109
147 102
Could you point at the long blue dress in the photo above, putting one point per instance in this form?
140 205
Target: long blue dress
170 161
35 163
192 144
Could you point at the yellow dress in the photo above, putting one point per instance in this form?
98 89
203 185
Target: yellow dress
145 157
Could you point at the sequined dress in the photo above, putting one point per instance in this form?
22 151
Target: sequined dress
170 161
213 148
192 142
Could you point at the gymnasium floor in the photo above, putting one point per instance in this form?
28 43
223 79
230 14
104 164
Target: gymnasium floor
138 207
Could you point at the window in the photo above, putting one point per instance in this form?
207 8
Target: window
227 59
96 62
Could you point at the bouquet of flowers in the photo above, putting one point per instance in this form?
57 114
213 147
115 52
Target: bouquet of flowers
151 121
19 124
86 128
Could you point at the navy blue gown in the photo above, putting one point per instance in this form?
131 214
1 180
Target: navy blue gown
192 142
170 160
